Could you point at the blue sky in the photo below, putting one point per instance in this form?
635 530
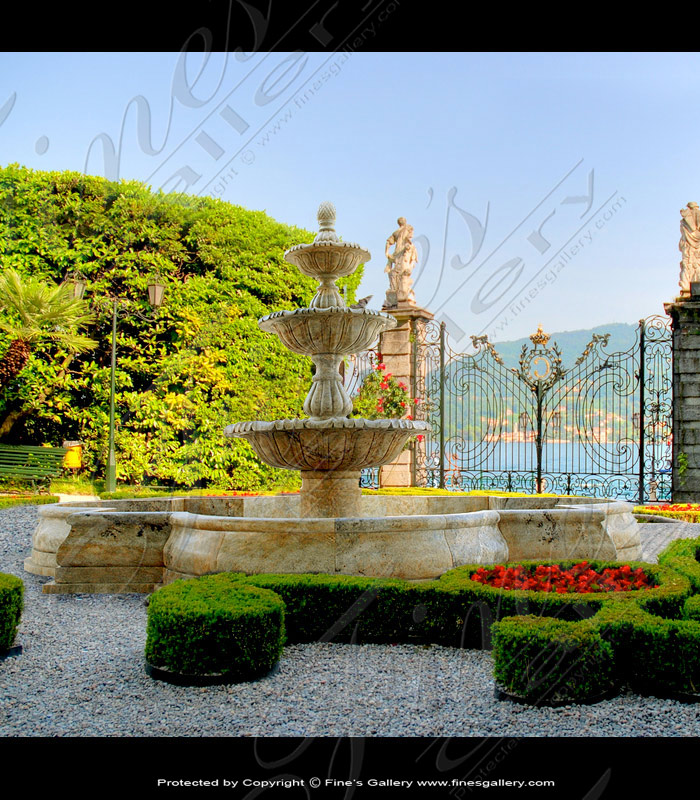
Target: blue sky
543 188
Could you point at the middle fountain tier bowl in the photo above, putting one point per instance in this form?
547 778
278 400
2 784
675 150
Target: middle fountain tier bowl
334 330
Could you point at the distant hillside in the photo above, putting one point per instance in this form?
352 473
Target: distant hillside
573 343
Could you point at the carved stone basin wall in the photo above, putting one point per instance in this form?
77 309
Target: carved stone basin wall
134 545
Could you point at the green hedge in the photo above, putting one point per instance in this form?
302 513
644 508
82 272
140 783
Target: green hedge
602 634
681 555
215 625
487 604
540 659
691 610
11 604
28 500
652 654
181 374
344 608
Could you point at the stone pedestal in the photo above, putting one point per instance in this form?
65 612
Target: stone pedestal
685 316
330 494
397 354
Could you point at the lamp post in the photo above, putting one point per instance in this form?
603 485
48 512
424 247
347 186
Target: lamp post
156 290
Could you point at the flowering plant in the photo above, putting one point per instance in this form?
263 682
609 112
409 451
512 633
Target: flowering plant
579 579
686 512
381 396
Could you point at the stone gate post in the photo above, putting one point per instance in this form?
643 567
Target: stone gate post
396 348
685 464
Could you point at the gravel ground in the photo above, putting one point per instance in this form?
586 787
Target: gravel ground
82 674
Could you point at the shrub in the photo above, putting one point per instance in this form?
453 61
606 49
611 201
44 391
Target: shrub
681 555
215 625
486 604
654 655
345 608
571 645
28 500
544 660
691 609
11 604
382 396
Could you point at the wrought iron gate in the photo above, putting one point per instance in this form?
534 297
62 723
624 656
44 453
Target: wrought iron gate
601 427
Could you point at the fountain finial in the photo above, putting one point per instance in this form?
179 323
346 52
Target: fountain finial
326 223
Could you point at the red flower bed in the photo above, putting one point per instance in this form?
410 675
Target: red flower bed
580 578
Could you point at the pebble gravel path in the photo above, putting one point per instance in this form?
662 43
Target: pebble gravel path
82 674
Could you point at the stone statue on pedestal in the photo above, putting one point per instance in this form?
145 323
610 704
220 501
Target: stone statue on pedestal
400 265
689 246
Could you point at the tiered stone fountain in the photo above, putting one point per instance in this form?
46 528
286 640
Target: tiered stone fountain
329 447
134 545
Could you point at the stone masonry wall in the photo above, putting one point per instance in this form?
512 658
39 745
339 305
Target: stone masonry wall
686 399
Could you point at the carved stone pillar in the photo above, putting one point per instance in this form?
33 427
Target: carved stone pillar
685 473
397 354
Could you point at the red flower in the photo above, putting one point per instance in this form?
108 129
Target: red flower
579 579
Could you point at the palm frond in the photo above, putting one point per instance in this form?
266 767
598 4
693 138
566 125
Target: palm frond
39 310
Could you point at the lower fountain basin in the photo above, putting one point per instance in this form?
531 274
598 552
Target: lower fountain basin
333 444
135 545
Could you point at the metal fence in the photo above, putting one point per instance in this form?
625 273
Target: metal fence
600 427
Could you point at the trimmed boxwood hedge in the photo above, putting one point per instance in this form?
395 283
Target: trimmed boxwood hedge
11 604
682 555
691 609
344 608
541 660
652 655
606 631
487 604
215 625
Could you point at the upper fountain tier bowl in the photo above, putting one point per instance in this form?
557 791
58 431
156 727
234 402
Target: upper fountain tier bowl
314 331
327 259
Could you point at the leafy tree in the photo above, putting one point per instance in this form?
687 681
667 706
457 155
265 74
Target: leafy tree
198 364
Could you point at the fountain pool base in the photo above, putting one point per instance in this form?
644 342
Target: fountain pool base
137 545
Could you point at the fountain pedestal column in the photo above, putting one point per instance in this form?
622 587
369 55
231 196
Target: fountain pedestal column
330 494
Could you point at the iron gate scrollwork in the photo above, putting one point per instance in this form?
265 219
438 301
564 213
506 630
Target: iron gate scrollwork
601 427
